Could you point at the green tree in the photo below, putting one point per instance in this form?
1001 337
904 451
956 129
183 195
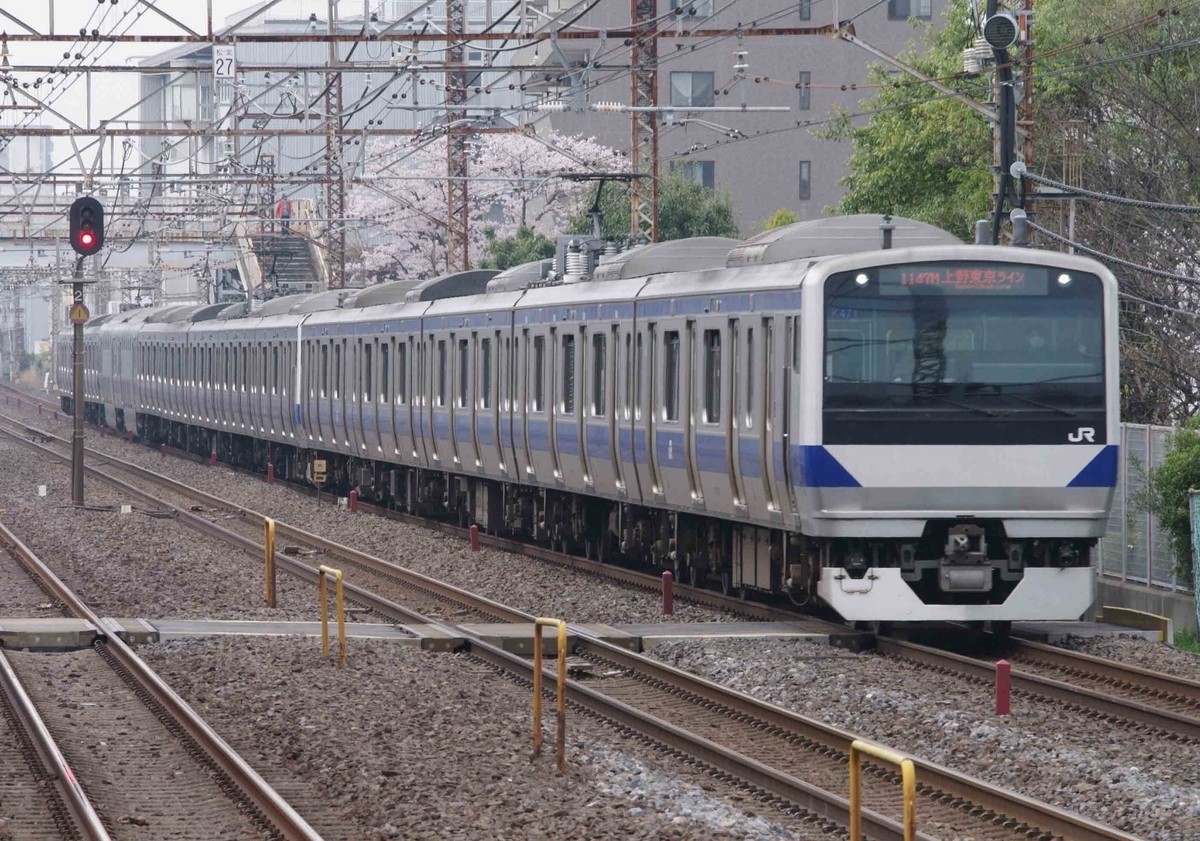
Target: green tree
923 158
782 217
1168 491
525 246
686 208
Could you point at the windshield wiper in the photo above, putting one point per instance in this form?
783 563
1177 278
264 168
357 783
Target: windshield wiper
1038 403
979 409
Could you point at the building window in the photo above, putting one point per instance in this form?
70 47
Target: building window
805 9
712 376
568 382
905 9
671 370
692 89
702 172
805 90
694 8
806 179
599 363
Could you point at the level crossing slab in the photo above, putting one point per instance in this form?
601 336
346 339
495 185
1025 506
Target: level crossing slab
1057 632
56 633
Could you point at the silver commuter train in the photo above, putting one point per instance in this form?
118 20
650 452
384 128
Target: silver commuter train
918 433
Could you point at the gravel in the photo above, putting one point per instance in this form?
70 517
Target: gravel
1135 781
1140 652
134 565
542 588
407 744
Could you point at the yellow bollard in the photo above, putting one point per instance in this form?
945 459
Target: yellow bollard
908 777
323 572
269 551
561 751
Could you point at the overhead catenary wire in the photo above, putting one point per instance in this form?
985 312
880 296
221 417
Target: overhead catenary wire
1118 261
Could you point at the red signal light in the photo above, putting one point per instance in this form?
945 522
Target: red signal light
86 238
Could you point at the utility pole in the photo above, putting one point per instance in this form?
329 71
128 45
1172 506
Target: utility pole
458 256
643 159
79 316
335 191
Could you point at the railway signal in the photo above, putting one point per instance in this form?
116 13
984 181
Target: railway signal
87 226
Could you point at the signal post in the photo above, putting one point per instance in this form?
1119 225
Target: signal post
87 236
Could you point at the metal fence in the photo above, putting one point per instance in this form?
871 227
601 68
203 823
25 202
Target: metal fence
1136 548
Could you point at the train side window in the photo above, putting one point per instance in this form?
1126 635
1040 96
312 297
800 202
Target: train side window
225 384
795 344
637 403
337 371
712 376
385 372
275 366
442 364
539 373
671 375
402 373
599 382
749 377
245 368
324 369
464 384
367 383
568 374
485 373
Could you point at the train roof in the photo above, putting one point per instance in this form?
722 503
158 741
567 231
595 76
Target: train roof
835 236
680 255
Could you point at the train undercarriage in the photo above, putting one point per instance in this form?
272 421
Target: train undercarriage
953 564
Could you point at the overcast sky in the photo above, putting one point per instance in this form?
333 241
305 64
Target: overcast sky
113 92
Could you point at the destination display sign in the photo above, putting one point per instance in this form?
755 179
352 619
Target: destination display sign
968 279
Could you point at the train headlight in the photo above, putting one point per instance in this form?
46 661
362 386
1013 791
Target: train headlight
1064 279
862 279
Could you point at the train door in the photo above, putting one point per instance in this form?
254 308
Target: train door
624 398
416 378
775 351
539 422
306 394
523 408
354 389
645 384
600 410
460 403
569 465
712 446
381 421
402 428
506 386
788 422
733 419
486 412
751 456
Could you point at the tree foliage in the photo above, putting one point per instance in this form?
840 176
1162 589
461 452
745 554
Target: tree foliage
1115 110
1168 486
525 246
686 208
782 217
402 200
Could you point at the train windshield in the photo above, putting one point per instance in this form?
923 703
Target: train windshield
963 353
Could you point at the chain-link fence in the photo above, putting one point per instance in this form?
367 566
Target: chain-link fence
1136 548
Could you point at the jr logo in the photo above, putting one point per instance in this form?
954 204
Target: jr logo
1084 433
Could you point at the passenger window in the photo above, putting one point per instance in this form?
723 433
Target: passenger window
463 371
245 368
441 385
712 376
539 373
637 403
485 374
402 373
749 377
671 375
324 370
337 371
385 383
367 383
568 374
599 364
275 367
225 382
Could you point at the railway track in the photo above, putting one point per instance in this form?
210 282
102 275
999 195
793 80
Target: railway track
1166 704
151 735
738 738
625 576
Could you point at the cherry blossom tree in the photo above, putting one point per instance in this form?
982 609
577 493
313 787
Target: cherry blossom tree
401 197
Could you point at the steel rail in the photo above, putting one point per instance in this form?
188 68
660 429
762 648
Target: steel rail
1125 674
935 781
273 807
768 779
1078 697
72 795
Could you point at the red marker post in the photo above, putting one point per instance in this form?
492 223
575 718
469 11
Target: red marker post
103 430
128 436
474 538
1003 687
270 473
668 593
212 459
164 451
354 502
